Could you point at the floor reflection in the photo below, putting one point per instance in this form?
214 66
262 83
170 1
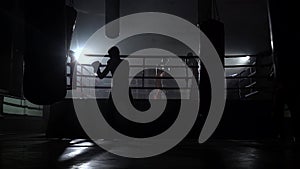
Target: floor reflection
33 152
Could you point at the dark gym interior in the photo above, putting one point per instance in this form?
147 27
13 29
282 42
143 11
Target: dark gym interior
52 62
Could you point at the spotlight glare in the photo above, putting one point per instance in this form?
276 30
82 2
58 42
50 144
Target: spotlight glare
77 52
245 59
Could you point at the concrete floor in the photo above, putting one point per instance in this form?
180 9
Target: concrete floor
37 151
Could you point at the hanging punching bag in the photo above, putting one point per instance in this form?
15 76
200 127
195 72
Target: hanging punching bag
214 30
45 51
112 12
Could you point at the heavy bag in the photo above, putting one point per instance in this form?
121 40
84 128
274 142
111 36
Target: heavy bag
112 12
214 30
45 51
286 34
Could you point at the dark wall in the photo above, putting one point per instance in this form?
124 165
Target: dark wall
5 43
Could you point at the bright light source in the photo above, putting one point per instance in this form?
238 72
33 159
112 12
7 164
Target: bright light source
234 75
245 59
77 52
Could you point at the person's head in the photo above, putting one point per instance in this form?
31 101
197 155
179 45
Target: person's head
114 52
190 54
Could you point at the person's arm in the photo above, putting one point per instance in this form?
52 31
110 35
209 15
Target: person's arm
105 72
